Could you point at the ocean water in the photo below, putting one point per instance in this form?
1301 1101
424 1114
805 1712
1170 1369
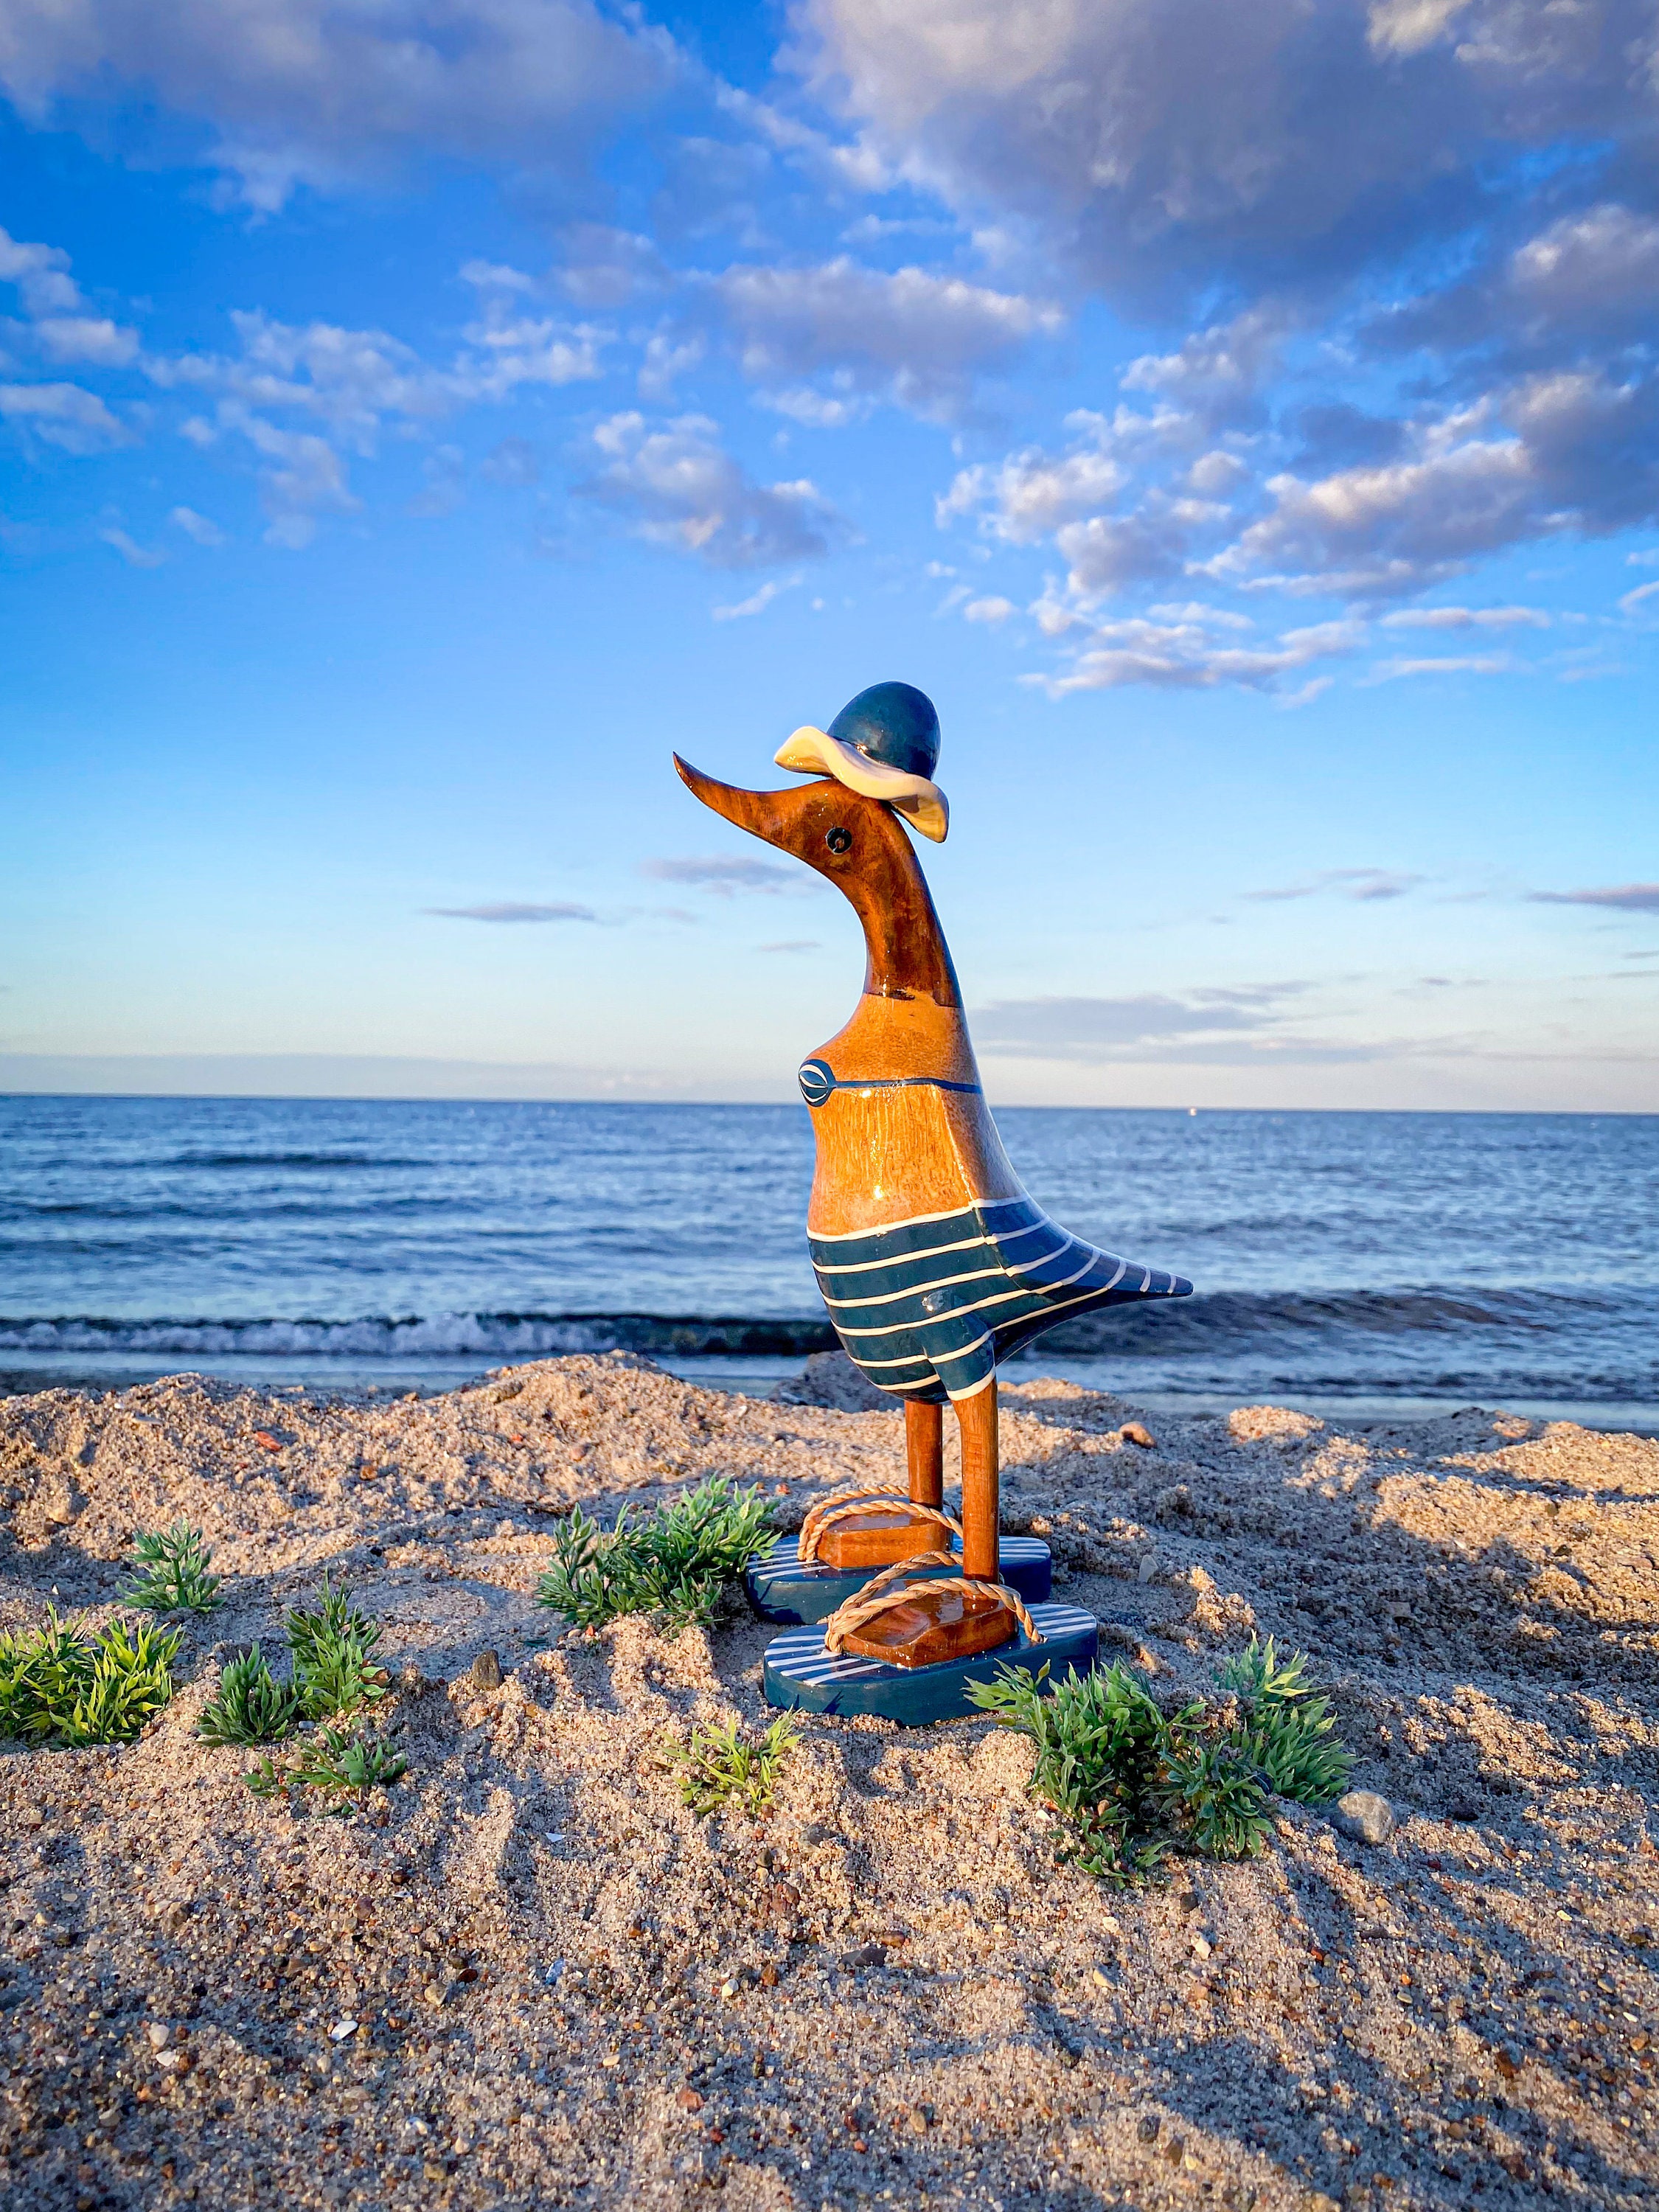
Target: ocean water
1370 1262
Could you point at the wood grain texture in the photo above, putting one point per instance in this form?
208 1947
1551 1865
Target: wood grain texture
981 1480
924 1451
857 843
937 1625
889 1155
876 1538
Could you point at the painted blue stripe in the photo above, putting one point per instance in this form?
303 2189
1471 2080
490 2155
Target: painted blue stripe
931 1303
991 1217
785 1555
798 1655
815 1090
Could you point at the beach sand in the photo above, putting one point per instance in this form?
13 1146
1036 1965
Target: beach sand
570 1991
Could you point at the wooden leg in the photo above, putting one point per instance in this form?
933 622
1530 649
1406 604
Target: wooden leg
950 1625
882 1535
924 1444
977 1418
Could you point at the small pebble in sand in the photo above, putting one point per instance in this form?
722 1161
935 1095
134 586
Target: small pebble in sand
486 1674
160 2035
343 2029
1364 1817
1137 1433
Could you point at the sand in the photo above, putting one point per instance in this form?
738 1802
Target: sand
569 1991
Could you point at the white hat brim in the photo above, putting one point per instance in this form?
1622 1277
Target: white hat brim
812 751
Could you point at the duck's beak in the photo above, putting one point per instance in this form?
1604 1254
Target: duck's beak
764 814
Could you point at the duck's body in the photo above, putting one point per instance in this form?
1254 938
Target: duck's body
933 1262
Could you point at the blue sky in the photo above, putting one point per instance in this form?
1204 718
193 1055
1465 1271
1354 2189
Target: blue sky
418 418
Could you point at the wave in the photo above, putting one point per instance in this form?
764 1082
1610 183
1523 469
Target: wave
1448 1332
486 1337
1225 1319
287 1160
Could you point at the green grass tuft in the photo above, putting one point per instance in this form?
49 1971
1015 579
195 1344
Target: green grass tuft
1210 1792
1291 1734
251 1706
674 1565
1133 1783
334 1668
335 1767
62 1686
719 1769
170 1570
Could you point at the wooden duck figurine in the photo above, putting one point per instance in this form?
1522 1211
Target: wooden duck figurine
933 1262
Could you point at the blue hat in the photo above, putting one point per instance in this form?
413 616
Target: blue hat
884 743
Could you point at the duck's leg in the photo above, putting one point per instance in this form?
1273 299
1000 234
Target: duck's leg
976 1417
924 1447
943 1625
887 1533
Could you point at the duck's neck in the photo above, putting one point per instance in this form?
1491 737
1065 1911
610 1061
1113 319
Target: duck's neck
907 956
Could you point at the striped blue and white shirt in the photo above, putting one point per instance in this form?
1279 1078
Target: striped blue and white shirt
928 1307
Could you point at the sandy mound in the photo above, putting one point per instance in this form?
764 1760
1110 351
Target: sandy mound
569 1991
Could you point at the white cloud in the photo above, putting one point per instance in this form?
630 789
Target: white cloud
495 277
304 477
41 275
606 267
1473 663
679 488
513 911
1198 611
444 472
62 324
197 526
350 379
1632 602
1216 373
1214 473
349 386
1410 26
1186 656
1588 267
821 410
1623 898
91 338
1367 884
1252 1021
758 602
326 90
1467 618
135 555
667 358
724 876
1029 496
1568 450
514 346
991 610
63 415
1166 151
1428 515
914 337
1106 553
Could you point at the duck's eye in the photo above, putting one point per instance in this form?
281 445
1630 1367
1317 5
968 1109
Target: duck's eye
839 840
